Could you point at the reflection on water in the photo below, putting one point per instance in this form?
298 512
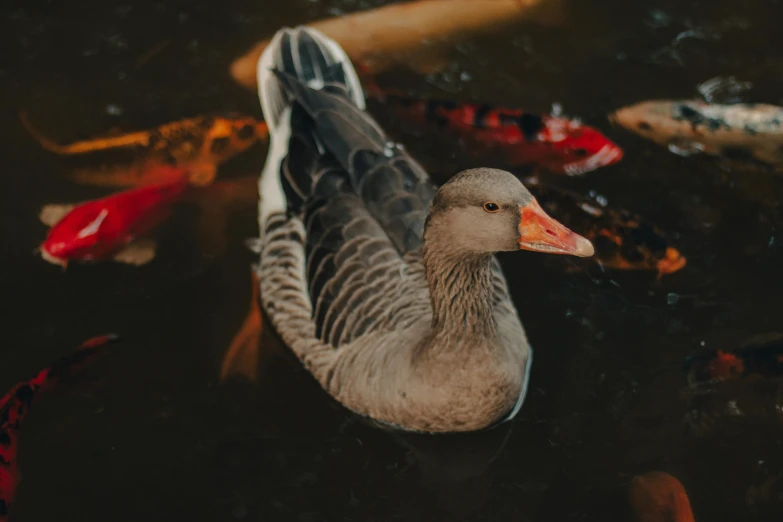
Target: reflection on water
150 432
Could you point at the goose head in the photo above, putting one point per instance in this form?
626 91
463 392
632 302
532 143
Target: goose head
482 211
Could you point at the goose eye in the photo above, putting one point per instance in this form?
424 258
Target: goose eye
491 207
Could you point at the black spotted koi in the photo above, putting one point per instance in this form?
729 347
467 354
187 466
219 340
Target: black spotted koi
197 144
622 240
749 133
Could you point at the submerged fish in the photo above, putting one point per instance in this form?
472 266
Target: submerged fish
761 356
417 35
16 403
199 144
744 132
731 388
657 496
560 145
622 240
104 228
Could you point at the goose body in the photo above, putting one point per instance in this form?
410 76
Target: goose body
384 286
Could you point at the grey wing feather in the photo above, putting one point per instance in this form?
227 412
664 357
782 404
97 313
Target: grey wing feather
354 271
393 186
349 238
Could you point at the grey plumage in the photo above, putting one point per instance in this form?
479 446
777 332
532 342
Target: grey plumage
402 317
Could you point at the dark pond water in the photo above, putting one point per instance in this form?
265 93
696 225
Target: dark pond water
149 432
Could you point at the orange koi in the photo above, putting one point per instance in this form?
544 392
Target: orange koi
417 35
659 497
197 144
16 403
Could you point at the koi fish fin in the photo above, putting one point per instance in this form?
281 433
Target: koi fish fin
138 252
241 358
106 176
672 261
50 215
145 171
49 258
201 174
42 140
262 131
659 496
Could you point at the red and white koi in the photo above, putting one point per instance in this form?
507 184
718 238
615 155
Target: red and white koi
558 144
104 228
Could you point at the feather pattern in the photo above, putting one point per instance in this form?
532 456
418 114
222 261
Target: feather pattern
342 219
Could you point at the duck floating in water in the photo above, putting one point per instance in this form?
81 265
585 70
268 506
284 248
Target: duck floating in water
385 287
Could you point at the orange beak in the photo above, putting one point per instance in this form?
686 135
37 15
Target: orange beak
540 233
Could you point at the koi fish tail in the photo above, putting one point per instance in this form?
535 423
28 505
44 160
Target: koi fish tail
42 140
243 355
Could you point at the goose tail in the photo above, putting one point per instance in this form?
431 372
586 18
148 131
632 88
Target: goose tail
296 57
309 57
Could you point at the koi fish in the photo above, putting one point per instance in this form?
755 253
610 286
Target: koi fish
659 497
761 356
748 133
742 385
560 145
417 35
622 240
16 403
198 144
104 228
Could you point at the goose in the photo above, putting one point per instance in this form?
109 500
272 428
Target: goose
385 287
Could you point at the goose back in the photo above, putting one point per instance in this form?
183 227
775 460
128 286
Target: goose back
342 219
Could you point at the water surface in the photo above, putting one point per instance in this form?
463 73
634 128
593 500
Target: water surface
149 433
